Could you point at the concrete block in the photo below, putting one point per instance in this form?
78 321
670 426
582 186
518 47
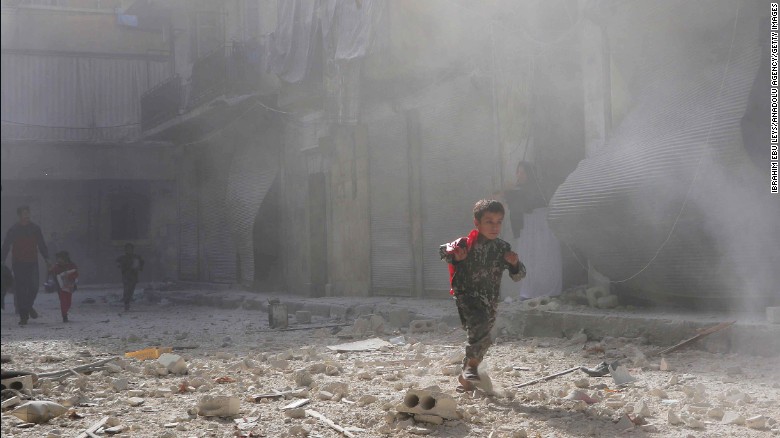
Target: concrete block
277 315
423 402
773 315
17 383
303 317
422 326
398 318
173 363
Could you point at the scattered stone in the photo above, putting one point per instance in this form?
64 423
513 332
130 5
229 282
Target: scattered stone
693 422
135 401
173 363
642 410
219 406
325 395
581 395
757 422
732 417
716 413
119 384
625 423
302 378
658 392
366 400
664 365
295 413
38 411
582 383
672 418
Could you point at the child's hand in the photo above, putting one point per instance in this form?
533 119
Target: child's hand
512 258
459 254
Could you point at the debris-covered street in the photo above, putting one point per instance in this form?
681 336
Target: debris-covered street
232 353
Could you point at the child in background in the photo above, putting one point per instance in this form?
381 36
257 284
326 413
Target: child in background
130 264
66 274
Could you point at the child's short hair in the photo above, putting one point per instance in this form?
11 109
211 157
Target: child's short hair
484 205
63 255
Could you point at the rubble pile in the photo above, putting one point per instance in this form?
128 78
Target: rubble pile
226 375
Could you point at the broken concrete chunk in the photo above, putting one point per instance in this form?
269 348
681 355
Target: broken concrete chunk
173 363
119 384
38 411
693 422
731 417
581 395
219 406
582 383
758 422
417 401
625 423
642 410
716 413
295 413
325 395
620 375
302 378
135 401
366 400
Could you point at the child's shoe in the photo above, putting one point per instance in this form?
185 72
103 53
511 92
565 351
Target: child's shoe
64 317
33 313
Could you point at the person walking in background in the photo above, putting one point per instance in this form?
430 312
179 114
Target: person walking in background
66 274
540 248
24 240
130 264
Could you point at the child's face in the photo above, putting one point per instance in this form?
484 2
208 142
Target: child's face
61 260
490 224
129 250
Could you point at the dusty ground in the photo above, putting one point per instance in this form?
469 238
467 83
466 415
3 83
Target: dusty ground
238 344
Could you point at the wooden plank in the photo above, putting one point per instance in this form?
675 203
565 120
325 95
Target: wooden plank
90 432
329 422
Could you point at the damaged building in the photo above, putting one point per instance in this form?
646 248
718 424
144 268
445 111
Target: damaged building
326 148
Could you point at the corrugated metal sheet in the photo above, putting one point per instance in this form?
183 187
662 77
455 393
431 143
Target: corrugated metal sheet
218 251
188 219
389 172
70 98
620 206
252 172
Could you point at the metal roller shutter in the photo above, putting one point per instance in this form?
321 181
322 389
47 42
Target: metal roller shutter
459 159
391 249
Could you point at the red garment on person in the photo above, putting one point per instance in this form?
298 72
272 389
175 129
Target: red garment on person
66 275
471 239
